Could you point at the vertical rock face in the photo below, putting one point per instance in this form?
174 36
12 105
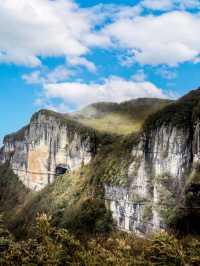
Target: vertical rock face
48 142
161 161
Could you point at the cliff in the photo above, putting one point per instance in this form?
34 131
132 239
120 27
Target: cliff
142 176
164 162
50 141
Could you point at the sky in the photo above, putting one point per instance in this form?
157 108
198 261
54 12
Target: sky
65 54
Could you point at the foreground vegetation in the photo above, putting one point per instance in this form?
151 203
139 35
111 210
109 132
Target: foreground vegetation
56 246
85 234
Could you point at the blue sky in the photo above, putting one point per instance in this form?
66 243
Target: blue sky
65 54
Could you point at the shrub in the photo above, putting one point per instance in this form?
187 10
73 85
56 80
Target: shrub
165 249
93 217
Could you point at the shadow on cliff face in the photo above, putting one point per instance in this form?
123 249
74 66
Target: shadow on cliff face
187 217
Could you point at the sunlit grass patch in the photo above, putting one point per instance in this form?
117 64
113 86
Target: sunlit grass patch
113 123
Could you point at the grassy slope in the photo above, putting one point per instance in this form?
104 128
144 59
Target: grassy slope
65 201
123 119
113 123
54 200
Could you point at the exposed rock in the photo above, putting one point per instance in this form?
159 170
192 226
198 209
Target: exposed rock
36 151
166 155
161 161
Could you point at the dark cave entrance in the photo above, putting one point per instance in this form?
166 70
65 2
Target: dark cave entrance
62 169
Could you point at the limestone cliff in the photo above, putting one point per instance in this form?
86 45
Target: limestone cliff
167 153
49 141
149 174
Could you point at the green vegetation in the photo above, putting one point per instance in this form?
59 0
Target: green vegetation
17 136
92 217
113 123
121 119
169 194
147 213
187 213
180 114
111 163
54 246
13 193
71 200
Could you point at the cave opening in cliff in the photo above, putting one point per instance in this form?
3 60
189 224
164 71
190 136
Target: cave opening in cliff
62 169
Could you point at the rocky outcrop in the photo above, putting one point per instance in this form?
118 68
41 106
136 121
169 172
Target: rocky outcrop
163 159
166 152
49 141
160 162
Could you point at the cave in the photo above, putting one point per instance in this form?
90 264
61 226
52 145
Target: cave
62 169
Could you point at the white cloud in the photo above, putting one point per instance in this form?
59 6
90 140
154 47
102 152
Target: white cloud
27 35
115 89
60 73
84 62
164 5
166 73
33 78
187 4
33 29
170 38
157 4
139 76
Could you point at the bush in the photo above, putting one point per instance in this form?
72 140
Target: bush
57 247
165 249
93 217
186 219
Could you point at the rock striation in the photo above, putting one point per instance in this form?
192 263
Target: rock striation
164 160
157 175
49 141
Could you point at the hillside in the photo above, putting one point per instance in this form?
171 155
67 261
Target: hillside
142 179
123 118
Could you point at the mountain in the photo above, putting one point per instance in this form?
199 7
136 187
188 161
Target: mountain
64 166
52 139
122 118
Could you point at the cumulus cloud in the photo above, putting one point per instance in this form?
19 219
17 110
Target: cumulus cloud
164 5
66 30
115 89
170 38
158 4
82 62
60 73
33 29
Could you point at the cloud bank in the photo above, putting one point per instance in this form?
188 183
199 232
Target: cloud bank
113 89
156 33
30 30
67 30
